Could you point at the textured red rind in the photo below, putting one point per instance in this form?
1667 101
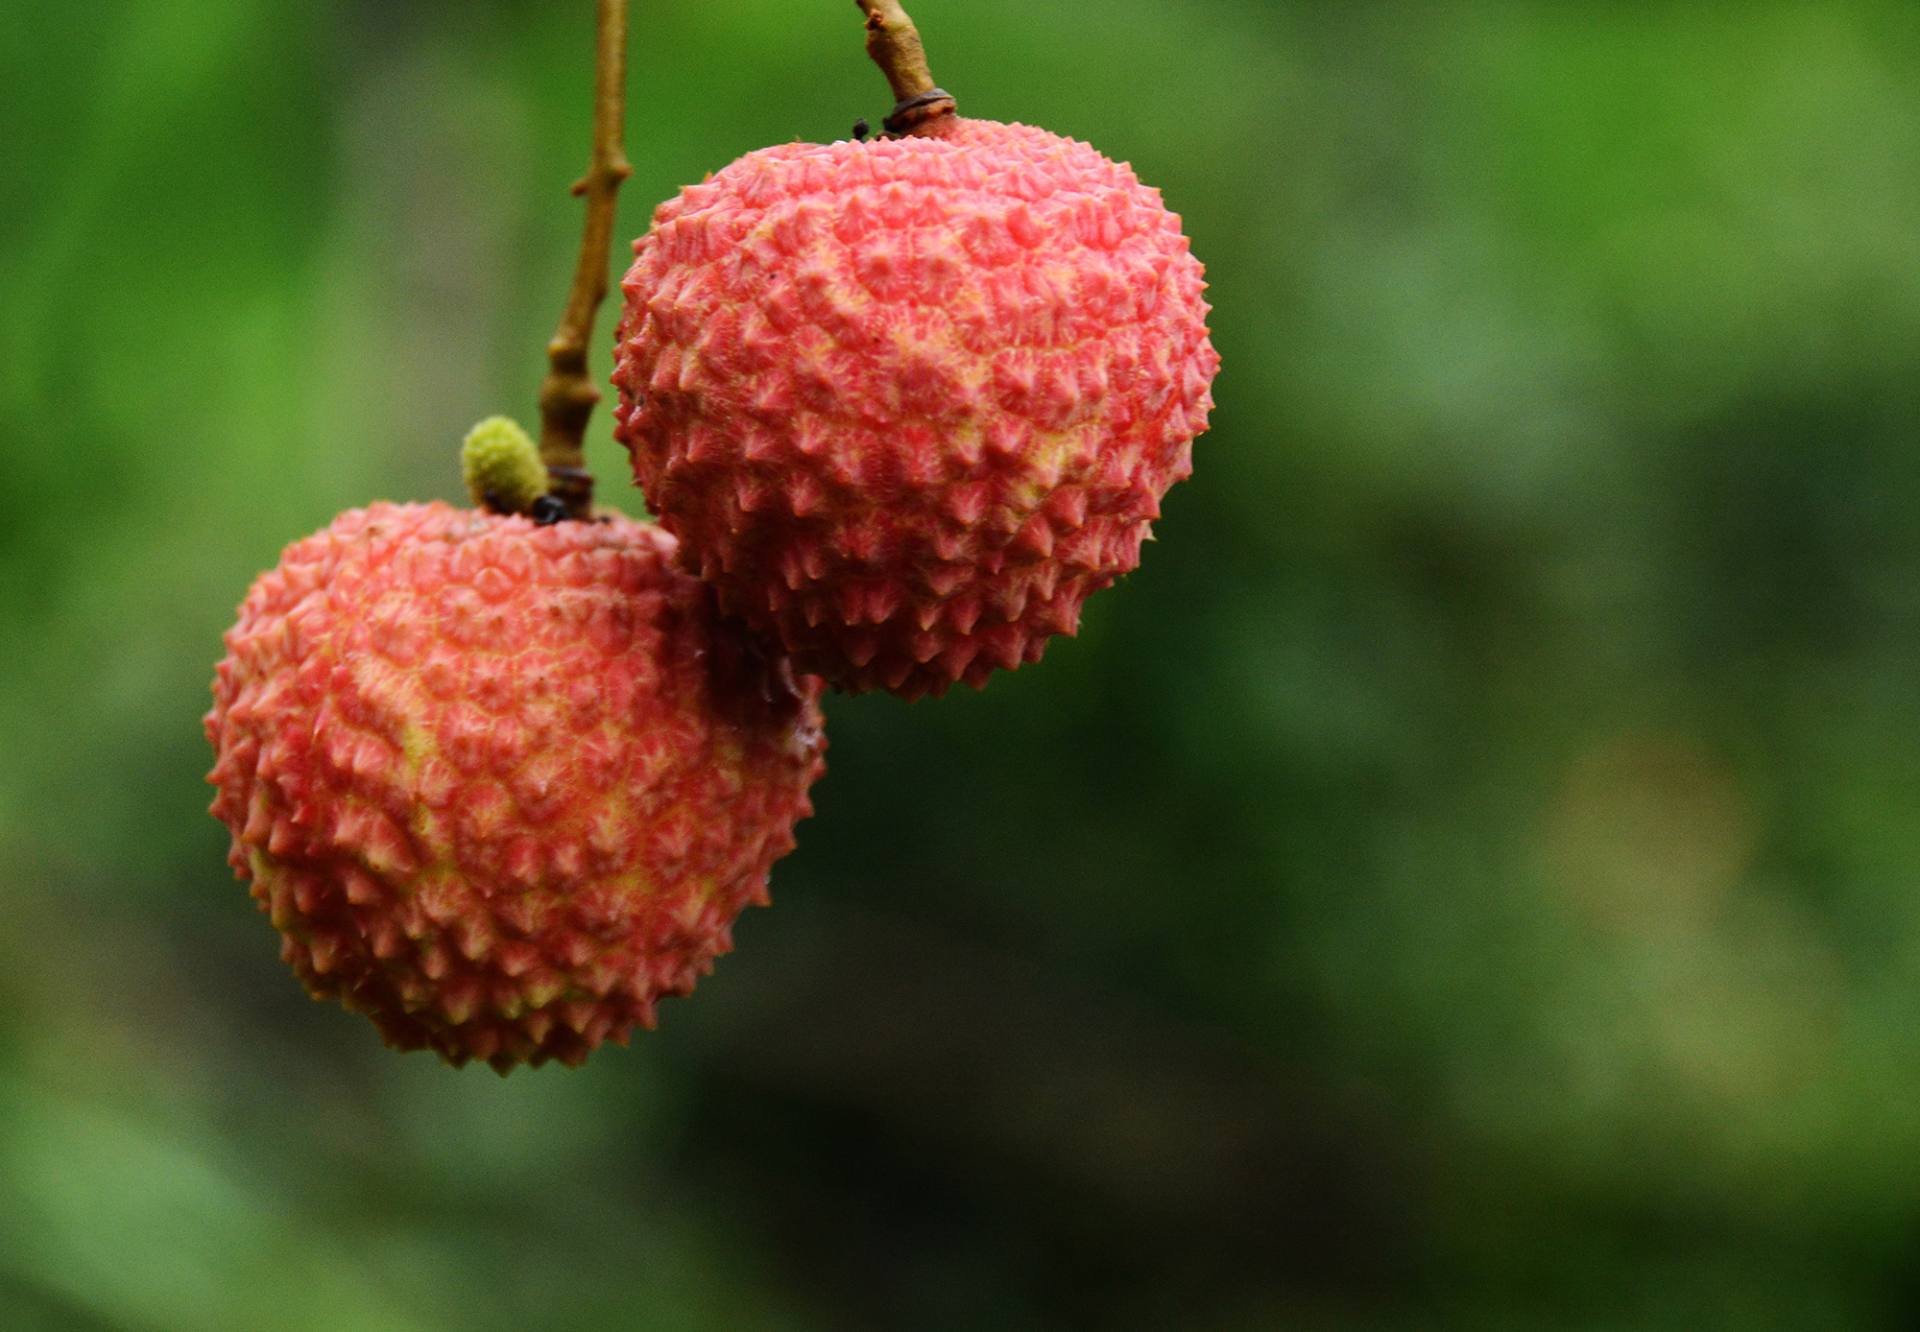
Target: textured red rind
908 403
501 787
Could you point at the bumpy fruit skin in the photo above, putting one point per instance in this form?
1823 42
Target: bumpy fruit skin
501 787
908 403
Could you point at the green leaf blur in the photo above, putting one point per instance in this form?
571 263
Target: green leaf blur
1466 879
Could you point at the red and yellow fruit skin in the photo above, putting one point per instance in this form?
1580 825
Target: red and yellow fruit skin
908 403
502 787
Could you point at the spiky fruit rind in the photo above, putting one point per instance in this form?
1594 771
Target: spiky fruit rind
502 787
501 466
908 403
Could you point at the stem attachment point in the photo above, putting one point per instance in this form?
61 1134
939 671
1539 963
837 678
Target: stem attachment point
908 116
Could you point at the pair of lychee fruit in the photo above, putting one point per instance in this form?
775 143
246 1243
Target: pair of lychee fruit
503 783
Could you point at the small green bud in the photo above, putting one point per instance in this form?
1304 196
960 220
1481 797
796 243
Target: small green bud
502 467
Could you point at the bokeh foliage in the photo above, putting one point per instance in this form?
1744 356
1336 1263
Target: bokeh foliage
1465 879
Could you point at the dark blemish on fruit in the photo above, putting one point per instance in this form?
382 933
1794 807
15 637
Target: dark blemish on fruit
548 510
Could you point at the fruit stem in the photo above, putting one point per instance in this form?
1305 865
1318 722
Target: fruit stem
894 45
567 394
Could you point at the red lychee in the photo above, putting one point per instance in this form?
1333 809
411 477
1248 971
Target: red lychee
502 787
908 403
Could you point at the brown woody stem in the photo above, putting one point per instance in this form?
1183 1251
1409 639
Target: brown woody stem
894 44
567 394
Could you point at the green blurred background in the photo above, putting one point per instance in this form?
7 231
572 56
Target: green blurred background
1466 879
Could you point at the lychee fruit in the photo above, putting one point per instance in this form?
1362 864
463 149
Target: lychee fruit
500 786
908 402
